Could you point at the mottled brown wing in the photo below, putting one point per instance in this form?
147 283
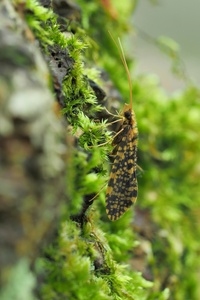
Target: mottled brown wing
122 186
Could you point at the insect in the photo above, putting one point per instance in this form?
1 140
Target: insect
122 187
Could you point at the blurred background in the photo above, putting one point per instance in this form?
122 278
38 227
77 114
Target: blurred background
177 19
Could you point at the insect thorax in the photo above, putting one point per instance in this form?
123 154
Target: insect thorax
129 117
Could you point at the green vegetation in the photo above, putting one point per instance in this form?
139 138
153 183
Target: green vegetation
91 258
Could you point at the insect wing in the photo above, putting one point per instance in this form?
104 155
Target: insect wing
122 186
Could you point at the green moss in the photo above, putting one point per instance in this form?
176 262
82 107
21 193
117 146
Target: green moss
43 22
95 273
83 261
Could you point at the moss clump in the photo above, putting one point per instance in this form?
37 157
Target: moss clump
81 265
86 259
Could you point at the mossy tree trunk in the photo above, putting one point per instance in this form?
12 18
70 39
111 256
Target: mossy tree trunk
55 242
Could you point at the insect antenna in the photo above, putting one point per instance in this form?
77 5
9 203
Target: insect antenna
123 59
